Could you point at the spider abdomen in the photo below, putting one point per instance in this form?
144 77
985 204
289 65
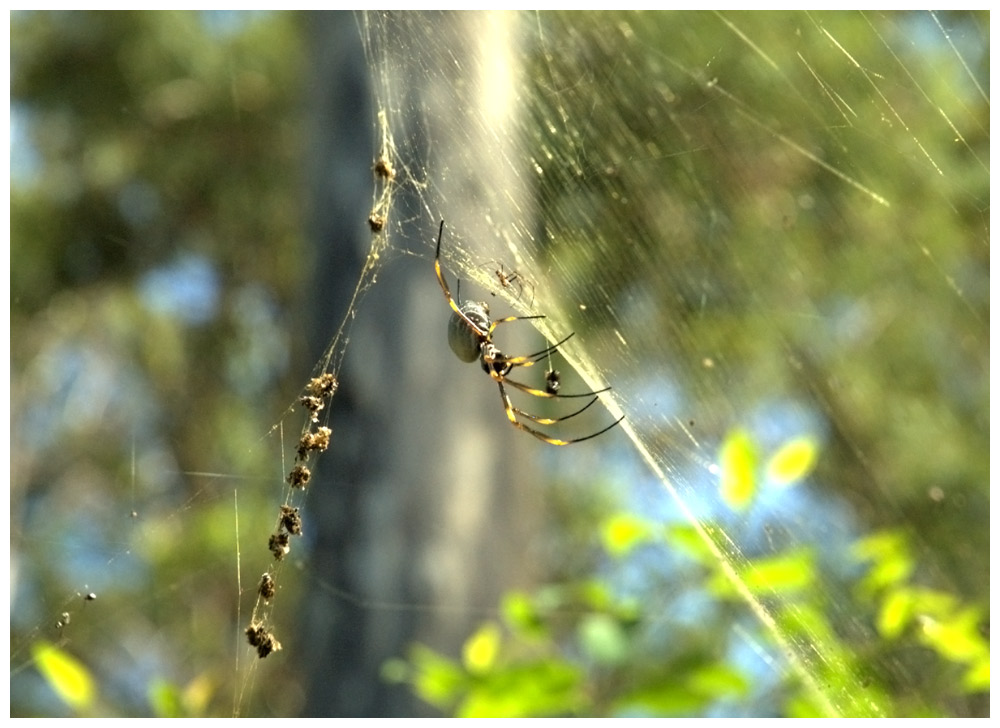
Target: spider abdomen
463 340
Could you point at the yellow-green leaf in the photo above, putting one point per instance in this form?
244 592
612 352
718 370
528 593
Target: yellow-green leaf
436 679
521 615
717 681
480 651
738 463
165 699
977 678
197 695
895 613
623 532
793 461
688 539
69 677
956 638
603 639
788 572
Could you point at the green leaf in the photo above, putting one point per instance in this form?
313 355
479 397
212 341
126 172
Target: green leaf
793 461
521 616
738 463
977 679
165 699
892 563
793 571
603 639
895 613
69 677
545 687
622 532
803 705
880 545
957 638
436 679
934 602
479 653
664 699
718 680
687 539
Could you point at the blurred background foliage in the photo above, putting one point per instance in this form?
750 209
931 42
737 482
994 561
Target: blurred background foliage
157 257
158 268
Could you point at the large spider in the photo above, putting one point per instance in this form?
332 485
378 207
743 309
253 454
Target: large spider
470 335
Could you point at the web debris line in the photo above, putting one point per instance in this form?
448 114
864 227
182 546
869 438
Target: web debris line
315 435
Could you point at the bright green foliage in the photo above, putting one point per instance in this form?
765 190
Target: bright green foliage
592 651
528 673
689 540
156 142
603 639
479 653
686 693
934 618
169 700
510 688
891 562
738 463
793 461
66 675
165 699
791 572
622 532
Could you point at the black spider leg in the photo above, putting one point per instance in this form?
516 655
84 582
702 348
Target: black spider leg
512 417
508 320
483 335
551 420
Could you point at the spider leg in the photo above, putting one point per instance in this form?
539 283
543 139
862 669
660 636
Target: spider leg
512 417
529 359
447 293
552 420
509 319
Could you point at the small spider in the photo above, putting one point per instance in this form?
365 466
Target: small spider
512 279
470 335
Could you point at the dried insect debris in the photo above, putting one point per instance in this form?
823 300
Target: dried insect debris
318 391
263 640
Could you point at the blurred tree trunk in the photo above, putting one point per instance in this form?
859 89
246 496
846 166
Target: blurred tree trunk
414 510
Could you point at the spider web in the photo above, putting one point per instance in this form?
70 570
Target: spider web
736 215
586 155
